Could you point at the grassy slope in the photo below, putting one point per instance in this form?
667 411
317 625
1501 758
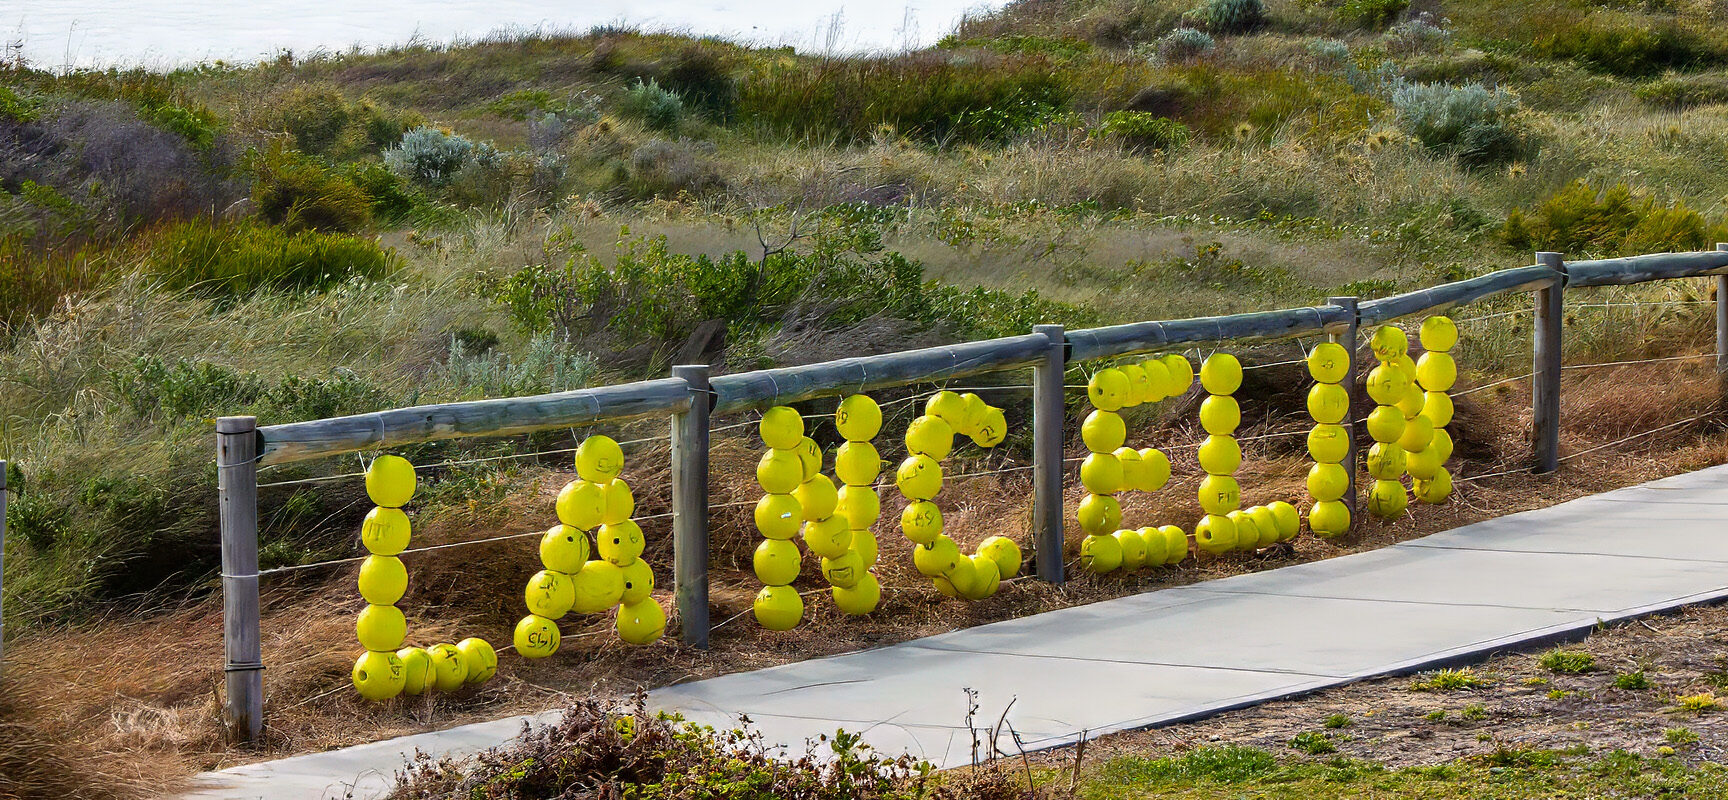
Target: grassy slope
1303 202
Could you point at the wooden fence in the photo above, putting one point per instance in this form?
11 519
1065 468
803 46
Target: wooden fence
691 396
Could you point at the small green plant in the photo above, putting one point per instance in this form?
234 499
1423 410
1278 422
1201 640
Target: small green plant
1184 45
1634 680
1140 130
1337 721
1449 680
1567 662
1615 220
1472 122
658 108
430 156
1436 715
1537 680
1680 736
1698 703
1602 45
1371 14
239 258
1227 16
299 194
1560 694
1313 743
1685 91
1474 712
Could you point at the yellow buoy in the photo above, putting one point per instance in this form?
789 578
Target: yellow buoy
599 459
1099 514
385 531
779 471
1436 371
599 586
416 670
1103 431
1387 384
1327 481
549 594
1220 455
1157 379
378 676
1386 461
481 659
1157 469
809 458
817 497
1139 384
1102 473
1175 544
949 406
993 429
536 637
581 504
986 579
1215 534
1100 554
1005 552
778 608
1411 403
778 516
1437 407
1418 433
620 502
930 436
777 562
858 419
1387 499
1133 548
641 622
449 667
864 544
1221 373
1220 414
1438 333
1389 342
857 464
1133 469
1328 403
621 543
1329 518
1442 445
977 412
1267 523
1286 520
1328 444
937 558
1422 464
1247 530
844 570
1109 390
782 428
638 581
1219 494
1156 546
828 538
1181 374
921 522
859 505
1328 362
963 577
564 549
860 599
390 481
381 628
1385 424
1436 489
383 580
919 477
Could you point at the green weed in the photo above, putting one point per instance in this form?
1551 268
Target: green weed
1450 680
1568 662
1634 680
240 258
1313 743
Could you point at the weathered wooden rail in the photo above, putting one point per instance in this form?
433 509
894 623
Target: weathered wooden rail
690 397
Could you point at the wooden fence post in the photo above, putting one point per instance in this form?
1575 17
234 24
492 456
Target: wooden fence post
1545 364
2 553
237 492
1348 339
690 506
1049 413
1722 326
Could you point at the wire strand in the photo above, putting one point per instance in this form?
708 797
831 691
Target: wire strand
1636 361
1486 386
1624 440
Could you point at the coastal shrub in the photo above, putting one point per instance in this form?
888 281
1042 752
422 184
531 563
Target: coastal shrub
1371 14
390 197
233 259
658 108
661 167
1329 53
324 122
703 82
1227 16
1139 130
170 390
1677 91
1183 45
296 192
1612 221
430 156
33 279
1418 35
1632 51
1472 122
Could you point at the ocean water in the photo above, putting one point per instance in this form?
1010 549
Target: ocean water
56 34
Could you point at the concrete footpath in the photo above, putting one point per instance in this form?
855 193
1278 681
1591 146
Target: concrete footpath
1187 652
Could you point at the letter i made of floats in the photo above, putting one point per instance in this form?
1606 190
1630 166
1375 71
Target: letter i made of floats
854 586
387 668
1436 373
1220 455
1329 440
929 439
1391 385
779 514
1112 467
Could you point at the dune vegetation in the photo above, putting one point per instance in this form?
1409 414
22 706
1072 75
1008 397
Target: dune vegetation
334 233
